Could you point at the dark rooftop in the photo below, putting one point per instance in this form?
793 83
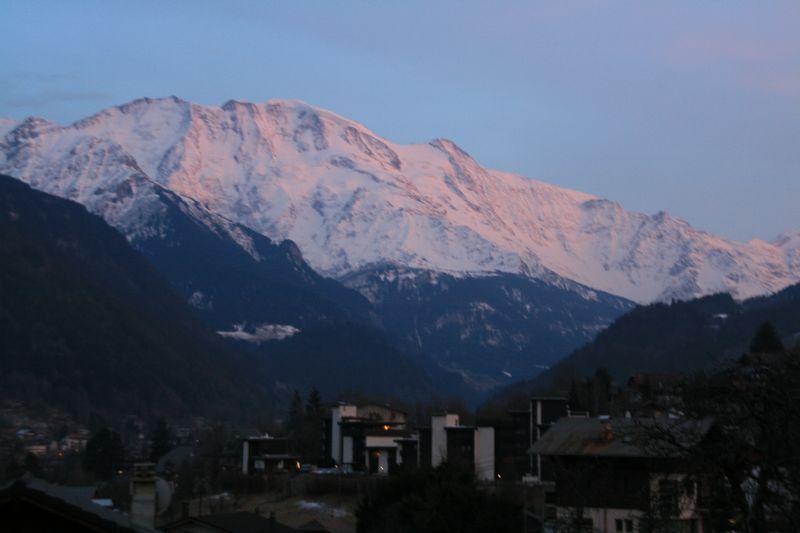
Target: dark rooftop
622 437
175 458
315 526
72 504
237 522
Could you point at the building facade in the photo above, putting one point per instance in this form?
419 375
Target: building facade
265 454
609 477
369 438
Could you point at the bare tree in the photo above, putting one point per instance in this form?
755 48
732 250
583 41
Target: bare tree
748 466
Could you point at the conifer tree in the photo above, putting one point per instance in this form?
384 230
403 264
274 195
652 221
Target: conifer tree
104 453
766 340
295 417
161 440
574 401
314 404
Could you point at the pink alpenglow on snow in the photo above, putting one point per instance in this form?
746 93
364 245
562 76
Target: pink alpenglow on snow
352 200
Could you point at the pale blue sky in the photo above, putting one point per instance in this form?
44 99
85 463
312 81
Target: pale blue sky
692 107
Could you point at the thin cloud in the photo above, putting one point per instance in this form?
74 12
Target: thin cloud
767 65
46 77
694 50
44 98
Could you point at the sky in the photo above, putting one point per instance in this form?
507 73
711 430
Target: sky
684 106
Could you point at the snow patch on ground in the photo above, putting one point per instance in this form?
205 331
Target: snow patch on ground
198 300
336 512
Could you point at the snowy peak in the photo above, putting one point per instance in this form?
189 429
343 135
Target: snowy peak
789 244
351 199
6 125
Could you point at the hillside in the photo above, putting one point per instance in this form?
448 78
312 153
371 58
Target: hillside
234 277
489 329
677 337
87 324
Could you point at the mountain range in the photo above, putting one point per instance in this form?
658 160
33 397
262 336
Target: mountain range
492 275
352 200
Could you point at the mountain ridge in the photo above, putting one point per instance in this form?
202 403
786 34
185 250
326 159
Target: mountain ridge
351 199
676 338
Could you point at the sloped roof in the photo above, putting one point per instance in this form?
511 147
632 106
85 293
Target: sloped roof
177 456
314 526
71 504
624 437
237 522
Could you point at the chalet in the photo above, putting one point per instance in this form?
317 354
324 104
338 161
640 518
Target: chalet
616 475
264 454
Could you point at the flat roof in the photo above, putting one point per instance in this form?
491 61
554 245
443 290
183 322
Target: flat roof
387 433
548 399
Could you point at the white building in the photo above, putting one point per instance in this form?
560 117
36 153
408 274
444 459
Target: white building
369 438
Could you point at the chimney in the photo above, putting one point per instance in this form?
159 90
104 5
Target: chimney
143 495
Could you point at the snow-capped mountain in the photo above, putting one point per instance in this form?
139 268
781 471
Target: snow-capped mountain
243 277
353 201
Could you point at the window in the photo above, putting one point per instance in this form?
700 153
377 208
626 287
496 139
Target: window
668 497
628 524
618 524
